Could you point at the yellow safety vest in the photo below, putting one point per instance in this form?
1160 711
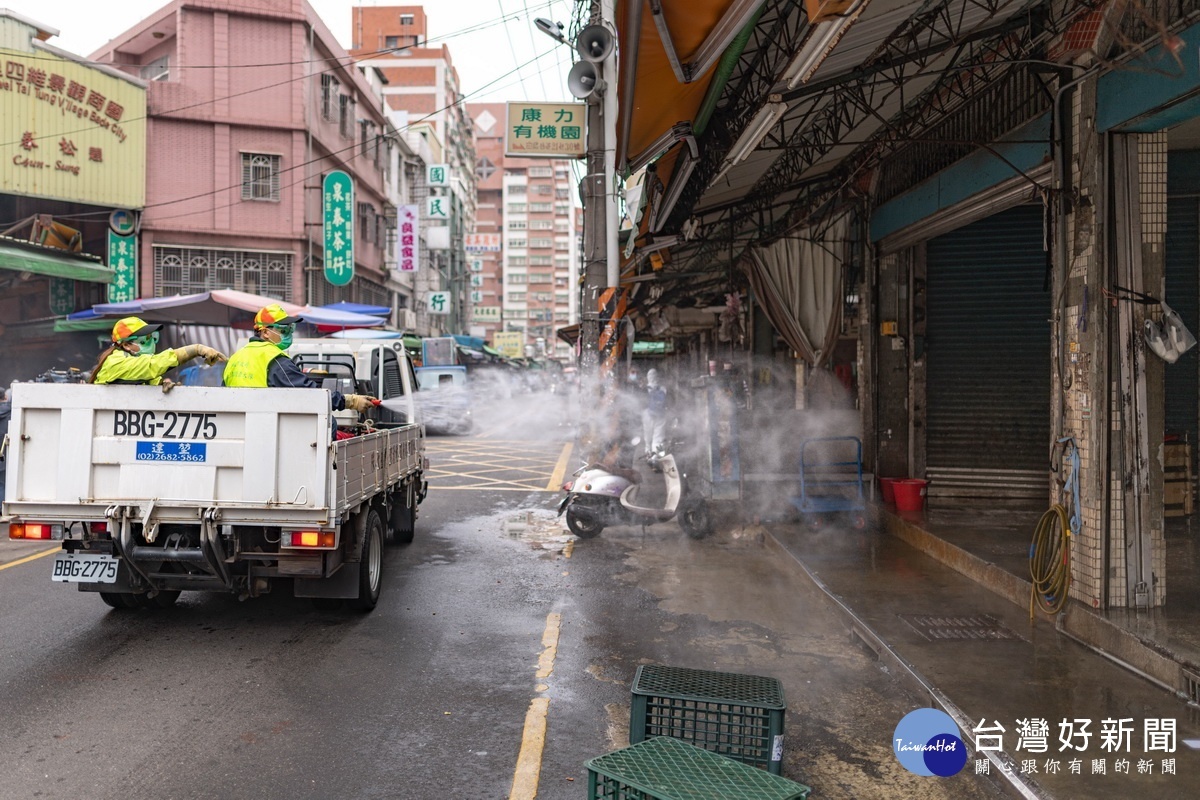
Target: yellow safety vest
123 367
248 366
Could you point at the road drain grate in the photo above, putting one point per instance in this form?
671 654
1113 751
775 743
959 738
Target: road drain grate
977 627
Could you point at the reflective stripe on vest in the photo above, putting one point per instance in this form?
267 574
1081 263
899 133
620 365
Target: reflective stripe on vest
248 366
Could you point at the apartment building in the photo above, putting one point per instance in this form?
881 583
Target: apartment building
250 106
530 203
422 82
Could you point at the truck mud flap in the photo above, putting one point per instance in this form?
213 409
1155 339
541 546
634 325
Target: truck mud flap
341 584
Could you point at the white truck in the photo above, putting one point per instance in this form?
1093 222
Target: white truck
213 489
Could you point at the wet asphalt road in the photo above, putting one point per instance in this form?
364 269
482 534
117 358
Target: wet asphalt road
427 696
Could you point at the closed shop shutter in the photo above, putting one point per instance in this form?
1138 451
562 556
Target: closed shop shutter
988 359
1183 295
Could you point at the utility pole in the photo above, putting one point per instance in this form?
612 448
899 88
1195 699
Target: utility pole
600 253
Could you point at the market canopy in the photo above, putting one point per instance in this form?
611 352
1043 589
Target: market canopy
223 307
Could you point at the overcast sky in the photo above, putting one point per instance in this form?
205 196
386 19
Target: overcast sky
481 56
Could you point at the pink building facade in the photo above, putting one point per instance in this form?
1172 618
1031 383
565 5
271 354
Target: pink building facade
250 105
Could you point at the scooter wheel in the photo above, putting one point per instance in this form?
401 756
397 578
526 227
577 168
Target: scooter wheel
695 519
584 528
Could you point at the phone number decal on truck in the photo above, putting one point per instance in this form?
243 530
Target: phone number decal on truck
172 425
172 451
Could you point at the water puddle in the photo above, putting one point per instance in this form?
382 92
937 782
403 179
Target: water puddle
541 530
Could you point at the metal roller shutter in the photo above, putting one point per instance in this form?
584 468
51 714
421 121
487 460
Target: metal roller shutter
988 359
1183 295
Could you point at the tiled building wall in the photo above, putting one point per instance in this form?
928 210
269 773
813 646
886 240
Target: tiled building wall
1152 167
1100 567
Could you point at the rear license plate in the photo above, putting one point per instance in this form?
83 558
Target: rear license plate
84 568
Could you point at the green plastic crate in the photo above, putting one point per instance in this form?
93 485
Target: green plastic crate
739 716
663 768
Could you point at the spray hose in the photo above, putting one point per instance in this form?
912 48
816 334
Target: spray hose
1050 551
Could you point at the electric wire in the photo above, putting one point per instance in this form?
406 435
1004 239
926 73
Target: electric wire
473 28
512 47
319 159
350 61
96 214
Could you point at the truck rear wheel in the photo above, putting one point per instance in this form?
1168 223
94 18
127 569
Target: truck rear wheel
370 565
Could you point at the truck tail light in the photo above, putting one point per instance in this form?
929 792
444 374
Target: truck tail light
308 538
34 530
99 527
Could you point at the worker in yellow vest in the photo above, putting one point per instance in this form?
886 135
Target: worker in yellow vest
132 358
263 361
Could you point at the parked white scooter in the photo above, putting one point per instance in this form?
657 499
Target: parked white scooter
600 496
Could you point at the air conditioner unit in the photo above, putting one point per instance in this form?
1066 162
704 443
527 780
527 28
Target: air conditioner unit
406 319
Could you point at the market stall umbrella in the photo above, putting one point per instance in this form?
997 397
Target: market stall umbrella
227 307
356 308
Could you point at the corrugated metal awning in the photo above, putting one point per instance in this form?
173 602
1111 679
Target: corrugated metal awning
21 256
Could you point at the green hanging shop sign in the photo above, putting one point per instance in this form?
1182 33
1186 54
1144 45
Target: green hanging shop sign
122 258
337 201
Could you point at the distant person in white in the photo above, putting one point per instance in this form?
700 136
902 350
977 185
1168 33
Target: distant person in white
654 417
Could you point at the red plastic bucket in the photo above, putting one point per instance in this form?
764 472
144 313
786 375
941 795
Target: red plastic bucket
910 494
887 491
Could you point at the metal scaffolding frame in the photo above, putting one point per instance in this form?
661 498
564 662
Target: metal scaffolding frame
958 63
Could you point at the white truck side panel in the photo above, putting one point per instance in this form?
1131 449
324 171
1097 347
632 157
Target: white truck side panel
251 449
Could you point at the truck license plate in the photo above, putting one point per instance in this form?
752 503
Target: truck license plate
84 568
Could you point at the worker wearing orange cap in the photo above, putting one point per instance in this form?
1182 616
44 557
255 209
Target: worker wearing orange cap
263 361
132 358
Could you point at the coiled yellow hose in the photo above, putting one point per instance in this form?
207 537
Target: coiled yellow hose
1050 561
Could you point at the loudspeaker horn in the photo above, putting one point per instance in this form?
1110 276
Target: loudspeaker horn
584 82
595 43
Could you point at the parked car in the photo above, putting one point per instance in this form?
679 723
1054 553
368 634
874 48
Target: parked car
444 399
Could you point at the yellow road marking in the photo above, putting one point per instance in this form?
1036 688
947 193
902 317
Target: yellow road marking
27 559
550 643
560 469
529 760
533 738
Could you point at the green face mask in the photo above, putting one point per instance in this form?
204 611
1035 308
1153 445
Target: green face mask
147 345
285 332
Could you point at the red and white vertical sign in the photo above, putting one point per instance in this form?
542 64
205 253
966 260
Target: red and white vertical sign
408 241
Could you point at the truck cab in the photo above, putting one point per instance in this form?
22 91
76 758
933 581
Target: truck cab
380 368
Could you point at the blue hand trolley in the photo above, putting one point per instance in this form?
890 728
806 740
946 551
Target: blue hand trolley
831 480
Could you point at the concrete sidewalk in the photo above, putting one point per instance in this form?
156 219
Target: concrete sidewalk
992 549
1012 670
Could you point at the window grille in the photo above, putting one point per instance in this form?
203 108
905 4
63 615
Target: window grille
346 116
188 270
329 95
366 222
360 290
260 177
